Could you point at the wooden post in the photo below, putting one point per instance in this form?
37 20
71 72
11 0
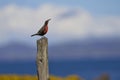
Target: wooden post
42 59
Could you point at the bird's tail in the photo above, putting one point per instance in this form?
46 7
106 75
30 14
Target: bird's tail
33 35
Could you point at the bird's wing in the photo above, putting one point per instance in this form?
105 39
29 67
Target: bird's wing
41 30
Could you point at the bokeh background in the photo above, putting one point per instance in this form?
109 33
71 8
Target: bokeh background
84 36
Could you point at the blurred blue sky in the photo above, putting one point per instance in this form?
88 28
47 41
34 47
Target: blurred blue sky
91 12
71 20
96 7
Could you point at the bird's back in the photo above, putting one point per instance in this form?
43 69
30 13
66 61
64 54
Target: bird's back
43 30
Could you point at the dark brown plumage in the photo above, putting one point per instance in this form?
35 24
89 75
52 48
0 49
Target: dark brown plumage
43 29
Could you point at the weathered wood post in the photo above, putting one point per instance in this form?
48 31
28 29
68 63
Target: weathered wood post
42 59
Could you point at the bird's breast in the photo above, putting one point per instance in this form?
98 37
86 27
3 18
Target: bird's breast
46 29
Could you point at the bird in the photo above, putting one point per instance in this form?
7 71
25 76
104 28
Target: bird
43 30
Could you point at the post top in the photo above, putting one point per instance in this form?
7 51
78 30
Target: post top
42 38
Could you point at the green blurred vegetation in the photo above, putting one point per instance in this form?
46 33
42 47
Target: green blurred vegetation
34 77
31 77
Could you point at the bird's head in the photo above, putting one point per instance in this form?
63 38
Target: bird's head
46 22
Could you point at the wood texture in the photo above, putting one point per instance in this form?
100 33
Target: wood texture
42 59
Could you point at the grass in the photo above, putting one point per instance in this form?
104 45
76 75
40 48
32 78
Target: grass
31 77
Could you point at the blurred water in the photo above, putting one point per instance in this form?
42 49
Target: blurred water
85 69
